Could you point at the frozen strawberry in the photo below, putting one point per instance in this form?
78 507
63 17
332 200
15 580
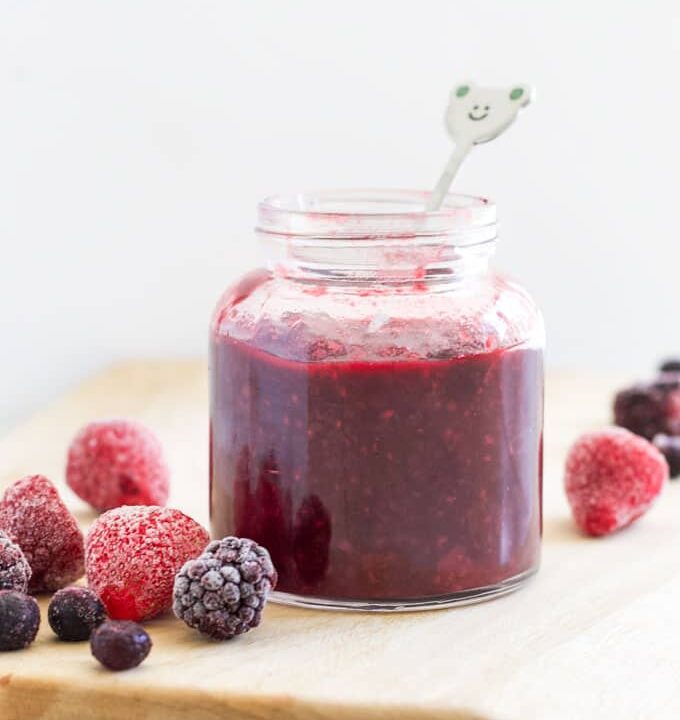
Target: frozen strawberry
612 478
34 517
133 554
117 462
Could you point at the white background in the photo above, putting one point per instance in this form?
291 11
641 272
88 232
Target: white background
137 136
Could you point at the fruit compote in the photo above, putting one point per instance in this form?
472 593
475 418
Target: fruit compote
381 479
377 424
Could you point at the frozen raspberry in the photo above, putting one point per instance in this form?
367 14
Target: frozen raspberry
120 645
222 592
34 517
19 620
15 572
671 365
74 613
612 477
132 556
117 462
669 447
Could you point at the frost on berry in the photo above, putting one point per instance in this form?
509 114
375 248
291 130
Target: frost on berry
19 620
34 517
120 644
132 556
15 572
612 478
117 462
222 592
74 612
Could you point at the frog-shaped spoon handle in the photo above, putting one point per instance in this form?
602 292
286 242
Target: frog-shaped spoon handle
476 115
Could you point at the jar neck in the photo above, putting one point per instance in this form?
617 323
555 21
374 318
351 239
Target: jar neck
422 268
353 239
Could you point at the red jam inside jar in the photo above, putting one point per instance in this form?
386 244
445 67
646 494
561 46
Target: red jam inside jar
376 405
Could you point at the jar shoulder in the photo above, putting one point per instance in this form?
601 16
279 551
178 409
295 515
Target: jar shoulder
312 322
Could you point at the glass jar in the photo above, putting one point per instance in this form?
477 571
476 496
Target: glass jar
377 404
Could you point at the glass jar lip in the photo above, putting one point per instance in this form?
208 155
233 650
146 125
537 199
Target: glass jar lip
375 212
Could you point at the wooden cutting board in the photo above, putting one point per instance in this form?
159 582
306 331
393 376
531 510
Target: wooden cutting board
595 635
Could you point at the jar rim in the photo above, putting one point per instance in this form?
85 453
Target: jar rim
374 212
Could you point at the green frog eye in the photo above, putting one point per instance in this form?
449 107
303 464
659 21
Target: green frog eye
463 90
516 93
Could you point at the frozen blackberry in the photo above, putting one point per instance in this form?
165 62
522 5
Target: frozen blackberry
669 447
15 572
641 409
222 592
671 365
120 644
648 409
19 620
74 613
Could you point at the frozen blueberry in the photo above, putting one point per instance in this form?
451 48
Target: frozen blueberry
19 620
74 613
120 644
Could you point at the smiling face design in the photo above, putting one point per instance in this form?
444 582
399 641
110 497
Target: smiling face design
478 114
